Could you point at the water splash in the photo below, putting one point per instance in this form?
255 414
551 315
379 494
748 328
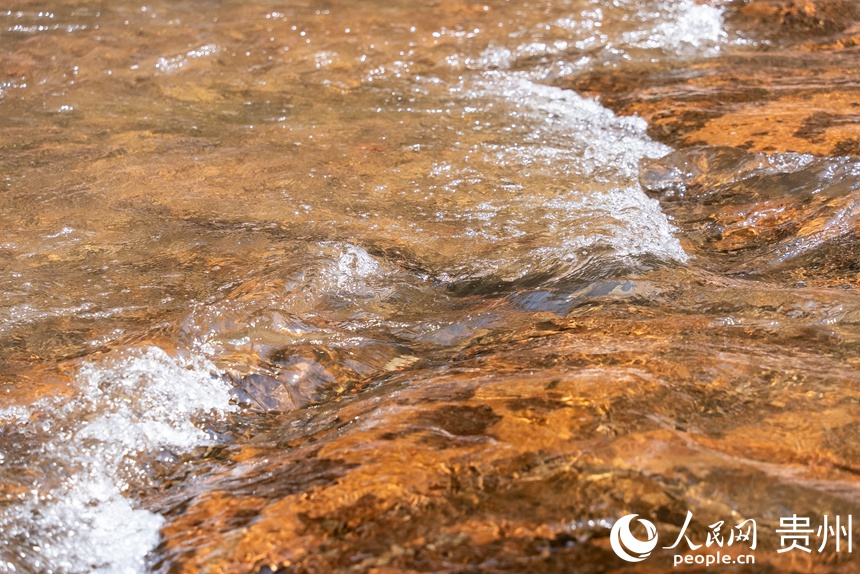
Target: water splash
129 407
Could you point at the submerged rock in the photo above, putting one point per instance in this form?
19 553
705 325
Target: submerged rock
797 90
777 216
521 453
310 289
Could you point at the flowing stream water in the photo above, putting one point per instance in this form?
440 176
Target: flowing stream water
224 221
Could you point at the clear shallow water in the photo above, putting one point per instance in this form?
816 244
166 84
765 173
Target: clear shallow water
225 222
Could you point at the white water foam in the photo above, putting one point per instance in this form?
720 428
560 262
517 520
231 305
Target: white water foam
682 26
349 270
567 137
129 406
147 400
574 140
599 35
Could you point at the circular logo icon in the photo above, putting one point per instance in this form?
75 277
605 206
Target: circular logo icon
627 546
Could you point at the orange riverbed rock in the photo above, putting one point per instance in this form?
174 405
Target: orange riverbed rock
798 90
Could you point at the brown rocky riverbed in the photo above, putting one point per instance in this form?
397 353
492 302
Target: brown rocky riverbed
409 287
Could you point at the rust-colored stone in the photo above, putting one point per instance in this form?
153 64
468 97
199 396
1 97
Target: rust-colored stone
791 21
742 216
488 464
726 386
802 94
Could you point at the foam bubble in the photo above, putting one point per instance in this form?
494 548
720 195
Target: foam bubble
599 35
575 139
682 25
129 406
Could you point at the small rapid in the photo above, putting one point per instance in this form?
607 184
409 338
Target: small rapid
279 280
98 449
556 199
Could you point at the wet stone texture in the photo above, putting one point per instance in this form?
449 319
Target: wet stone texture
302 289
471 471
799 94
744 216
508 459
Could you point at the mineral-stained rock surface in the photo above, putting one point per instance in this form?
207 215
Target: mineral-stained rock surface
797 91
745 216
517 454
432 369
